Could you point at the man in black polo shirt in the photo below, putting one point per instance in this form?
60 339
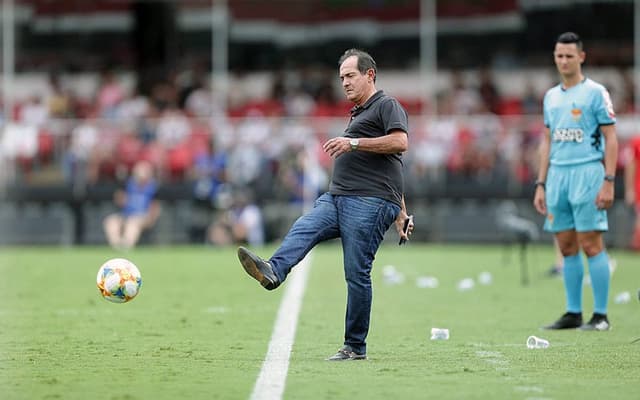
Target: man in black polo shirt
365 198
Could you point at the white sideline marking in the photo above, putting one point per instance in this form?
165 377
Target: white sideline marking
270 383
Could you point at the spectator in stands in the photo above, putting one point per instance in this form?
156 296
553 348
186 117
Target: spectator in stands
61 101
133 107
171 133
628 103
110 94
200 101
242 223
325 97
80 159
427 164
173 127
279 86
299 175
246 158
19 143
197 97
465 99
530 101
488 91
209 174
632 186
103 136
298 103
165 93
139 210
34 112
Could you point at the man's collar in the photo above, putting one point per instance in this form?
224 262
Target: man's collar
368 103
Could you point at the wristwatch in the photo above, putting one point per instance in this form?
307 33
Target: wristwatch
354 144
610 178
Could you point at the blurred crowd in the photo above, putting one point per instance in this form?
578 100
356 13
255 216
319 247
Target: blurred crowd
477 135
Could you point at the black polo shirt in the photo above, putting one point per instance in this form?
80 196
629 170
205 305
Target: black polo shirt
361 173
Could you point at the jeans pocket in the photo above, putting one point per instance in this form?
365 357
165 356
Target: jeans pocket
392 211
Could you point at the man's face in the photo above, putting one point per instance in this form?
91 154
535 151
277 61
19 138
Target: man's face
568 58
356 86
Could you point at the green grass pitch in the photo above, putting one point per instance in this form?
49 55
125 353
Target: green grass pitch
200 328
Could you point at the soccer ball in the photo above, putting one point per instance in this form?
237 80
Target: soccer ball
119 280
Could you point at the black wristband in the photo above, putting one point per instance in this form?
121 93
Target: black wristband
540 183
610 178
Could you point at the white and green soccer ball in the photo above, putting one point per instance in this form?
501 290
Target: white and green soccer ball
119 280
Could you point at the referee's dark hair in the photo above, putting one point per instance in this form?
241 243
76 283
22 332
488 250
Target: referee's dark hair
570 37
365 61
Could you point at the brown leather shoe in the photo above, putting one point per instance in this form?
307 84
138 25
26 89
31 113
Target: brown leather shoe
258 268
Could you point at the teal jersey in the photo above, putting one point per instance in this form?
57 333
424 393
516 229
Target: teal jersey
574 117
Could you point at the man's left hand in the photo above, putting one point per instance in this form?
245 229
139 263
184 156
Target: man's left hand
337 146
402 217
604 200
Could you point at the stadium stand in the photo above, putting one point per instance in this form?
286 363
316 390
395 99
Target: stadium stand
78 124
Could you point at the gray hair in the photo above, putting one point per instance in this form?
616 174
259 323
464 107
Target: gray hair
365 61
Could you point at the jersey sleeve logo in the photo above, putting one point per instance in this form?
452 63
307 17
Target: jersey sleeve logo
608 103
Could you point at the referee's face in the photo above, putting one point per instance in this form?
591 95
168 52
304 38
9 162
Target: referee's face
568 59
357 87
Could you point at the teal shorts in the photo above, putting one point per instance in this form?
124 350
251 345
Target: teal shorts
571 198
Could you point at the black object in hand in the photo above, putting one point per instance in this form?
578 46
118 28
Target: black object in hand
405 229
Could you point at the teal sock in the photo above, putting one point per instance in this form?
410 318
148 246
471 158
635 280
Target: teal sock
600 277
573 272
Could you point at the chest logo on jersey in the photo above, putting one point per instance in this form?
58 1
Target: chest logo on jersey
568 135
576 113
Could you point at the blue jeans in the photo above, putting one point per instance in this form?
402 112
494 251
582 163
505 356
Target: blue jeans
361 223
